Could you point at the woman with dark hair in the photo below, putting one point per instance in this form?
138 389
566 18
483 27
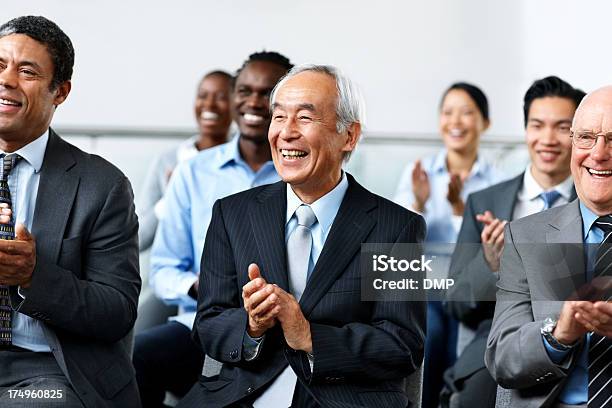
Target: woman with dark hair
437 187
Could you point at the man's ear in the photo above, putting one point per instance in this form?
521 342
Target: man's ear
61 93
353 133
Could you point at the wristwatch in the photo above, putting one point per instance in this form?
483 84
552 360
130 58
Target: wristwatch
548 326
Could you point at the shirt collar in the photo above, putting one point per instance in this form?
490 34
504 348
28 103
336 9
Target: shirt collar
187 149
439 164
232 153
532 190
588 218
34 152
325 208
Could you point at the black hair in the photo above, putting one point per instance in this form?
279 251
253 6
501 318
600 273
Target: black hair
51 36
266 56
475 93
547 87
218 72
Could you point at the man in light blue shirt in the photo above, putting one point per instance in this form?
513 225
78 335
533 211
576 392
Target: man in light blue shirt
559 353
165 357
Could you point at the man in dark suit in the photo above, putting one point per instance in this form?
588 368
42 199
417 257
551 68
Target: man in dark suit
68 289
547 351
280 301
549 107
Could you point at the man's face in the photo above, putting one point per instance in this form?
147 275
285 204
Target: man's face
26 103
548 136
251 98
212 105
592 168
306 148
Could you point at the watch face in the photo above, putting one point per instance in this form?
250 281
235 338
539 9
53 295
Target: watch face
549 325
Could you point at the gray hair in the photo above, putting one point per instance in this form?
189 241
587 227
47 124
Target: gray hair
350 106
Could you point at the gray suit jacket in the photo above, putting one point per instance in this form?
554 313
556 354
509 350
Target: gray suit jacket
86 281
533 276
474 280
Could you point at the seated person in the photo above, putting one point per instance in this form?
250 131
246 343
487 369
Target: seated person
212 112
165 357
437 188
280 300
549 106
549 351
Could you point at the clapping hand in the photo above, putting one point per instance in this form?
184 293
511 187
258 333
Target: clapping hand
492 238
420 187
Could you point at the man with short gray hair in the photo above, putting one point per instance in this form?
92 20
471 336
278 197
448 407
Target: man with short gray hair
280 300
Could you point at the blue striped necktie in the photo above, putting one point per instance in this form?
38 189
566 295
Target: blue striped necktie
7 231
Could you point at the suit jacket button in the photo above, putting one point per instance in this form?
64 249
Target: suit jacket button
250 390
233 354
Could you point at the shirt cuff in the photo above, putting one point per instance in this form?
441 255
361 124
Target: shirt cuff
21 295
251 346
555 355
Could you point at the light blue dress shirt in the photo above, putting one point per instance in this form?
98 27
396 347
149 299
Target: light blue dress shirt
325 209
193 189
576 390
23 183
442 225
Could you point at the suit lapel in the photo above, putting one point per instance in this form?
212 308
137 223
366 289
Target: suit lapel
566 233
350 228
268 214
57 190
505 208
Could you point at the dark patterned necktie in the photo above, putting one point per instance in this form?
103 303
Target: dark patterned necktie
600 348
7 231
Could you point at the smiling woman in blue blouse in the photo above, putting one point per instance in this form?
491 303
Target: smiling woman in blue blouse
437 187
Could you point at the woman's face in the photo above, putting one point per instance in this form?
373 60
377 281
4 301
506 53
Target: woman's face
461 123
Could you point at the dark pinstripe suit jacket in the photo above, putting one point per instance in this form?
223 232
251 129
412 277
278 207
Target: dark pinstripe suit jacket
362 350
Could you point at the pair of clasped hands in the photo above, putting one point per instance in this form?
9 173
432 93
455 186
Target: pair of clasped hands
579 317
267 304
17 257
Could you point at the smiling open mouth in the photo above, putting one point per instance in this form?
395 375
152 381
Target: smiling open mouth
456 133
293 154
207 115
9 102
252 119
599 173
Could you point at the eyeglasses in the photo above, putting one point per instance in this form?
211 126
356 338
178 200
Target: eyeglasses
587 140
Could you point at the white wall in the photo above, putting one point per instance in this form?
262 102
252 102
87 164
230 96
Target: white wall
138 61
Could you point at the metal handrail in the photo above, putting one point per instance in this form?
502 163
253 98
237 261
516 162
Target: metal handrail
373 137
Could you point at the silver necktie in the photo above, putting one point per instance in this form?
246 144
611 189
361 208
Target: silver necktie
299 247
